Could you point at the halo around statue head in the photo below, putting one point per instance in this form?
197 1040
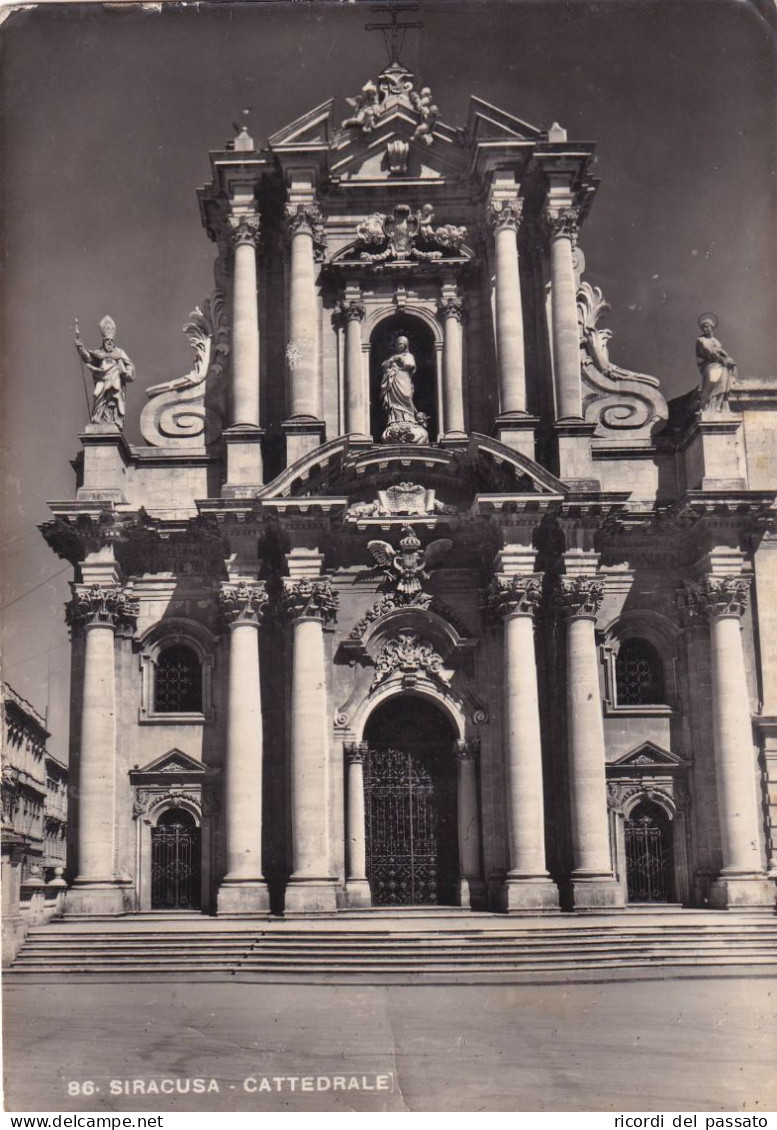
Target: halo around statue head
712 318
108 326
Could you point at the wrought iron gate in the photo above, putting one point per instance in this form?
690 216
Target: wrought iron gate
411 835
648 859
175 862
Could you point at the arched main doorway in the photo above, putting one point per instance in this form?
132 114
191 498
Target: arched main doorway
421 341
649 854
410 782
175 862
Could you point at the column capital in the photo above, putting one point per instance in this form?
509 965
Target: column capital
561 223
451 307
714 597
306 218
505 213
517 594
102 605
578 597
241 603
350 310
307 597
356 752
466 749
244 228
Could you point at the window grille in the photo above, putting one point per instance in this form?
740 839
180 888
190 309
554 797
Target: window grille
178 683
639 676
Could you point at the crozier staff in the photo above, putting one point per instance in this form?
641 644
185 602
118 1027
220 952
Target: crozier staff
111 369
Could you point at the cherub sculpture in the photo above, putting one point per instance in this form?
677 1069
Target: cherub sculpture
407 567
366 108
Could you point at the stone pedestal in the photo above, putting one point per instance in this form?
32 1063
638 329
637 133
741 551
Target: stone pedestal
106 458
98 611
245 472
593 884
302 437
243 889
528 886
357 887
519 433
575 458
309 602
713 453
742 881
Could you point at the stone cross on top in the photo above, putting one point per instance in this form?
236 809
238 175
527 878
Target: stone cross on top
394 32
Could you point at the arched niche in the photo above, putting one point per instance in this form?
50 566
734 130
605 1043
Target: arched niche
423 689
423 346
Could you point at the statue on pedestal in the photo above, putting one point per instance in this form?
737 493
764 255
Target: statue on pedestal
111 369
717 369
405 424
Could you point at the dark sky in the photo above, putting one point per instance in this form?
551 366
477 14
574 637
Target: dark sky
108 115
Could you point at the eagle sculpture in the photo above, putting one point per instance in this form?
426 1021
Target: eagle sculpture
409 565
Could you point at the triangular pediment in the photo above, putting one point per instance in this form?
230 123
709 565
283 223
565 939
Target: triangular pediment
313 128
360 156
175 763
489 123
648 754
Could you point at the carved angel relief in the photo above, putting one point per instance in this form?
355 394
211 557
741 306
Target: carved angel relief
407 235
394 88
406 568
187 412
614 398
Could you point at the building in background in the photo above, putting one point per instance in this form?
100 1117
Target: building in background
414 596
34 814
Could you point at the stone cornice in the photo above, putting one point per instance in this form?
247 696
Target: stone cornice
514 594
242 602
309 598
714 597
95 605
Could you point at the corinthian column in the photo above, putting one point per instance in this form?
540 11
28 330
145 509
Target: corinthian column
528 886
562 227
243 889
451 312
471 887
578 599
309 603
97 611
742 881
356 420
504 217
357 886
243 437
304 429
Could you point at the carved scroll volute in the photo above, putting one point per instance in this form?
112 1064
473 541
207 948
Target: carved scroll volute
188 411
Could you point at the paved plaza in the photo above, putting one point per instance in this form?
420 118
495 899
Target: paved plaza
697 1045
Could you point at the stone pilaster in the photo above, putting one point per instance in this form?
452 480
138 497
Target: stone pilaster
304 429
515 598
742 881
309 603
577 599
357 886
243 437
451 312
243 889
356 414
98 611
472 891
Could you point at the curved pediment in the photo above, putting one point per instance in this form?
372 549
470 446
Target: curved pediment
403 479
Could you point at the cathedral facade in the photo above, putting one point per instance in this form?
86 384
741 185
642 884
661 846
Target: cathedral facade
413 596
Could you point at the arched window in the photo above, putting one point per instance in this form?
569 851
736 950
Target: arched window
178 682
639 674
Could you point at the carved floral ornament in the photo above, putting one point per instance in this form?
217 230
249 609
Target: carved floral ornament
407 653
452 307
400 233
714 597
578 596
514 595
242 603
244 229
97 604
309 598
561 223
306 218
402 498
467 749
505 213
